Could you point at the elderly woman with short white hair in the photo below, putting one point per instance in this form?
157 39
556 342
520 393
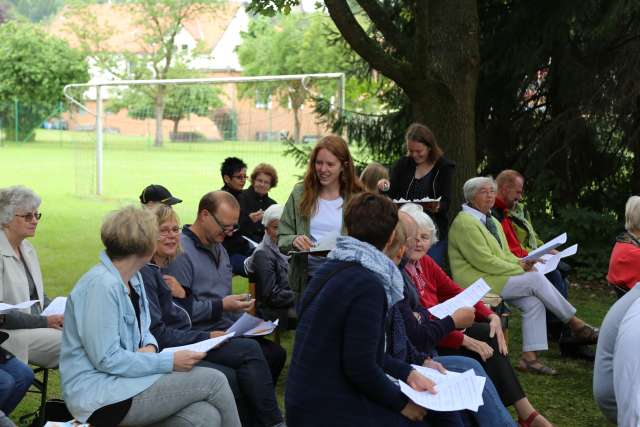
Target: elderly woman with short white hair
478 249
32 337
269 267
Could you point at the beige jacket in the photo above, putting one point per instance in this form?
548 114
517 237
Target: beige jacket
14 287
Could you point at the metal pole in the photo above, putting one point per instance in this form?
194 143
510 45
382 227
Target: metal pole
16 121
99 140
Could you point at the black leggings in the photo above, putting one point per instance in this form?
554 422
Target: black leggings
498 366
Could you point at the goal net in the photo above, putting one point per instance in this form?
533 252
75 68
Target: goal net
130 134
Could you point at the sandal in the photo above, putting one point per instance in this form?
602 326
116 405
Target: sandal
530 419
535 367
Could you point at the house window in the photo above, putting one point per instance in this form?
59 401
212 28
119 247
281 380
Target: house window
263 99
184 47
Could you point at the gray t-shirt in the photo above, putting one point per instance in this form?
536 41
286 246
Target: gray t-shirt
603 372
626 368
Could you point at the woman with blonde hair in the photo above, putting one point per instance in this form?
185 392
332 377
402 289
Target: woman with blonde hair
314 210
111 372
375 178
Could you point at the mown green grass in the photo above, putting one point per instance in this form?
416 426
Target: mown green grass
59 167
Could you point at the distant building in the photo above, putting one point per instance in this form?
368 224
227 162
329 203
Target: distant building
209 41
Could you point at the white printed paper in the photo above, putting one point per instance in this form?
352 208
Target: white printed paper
467 298
265 328
423 200
251 326
251 242
454 392
55 307
202 346
327 243
21 306
551 261
547 247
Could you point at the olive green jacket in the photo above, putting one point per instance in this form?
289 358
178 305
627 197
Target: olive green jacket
523 227
292 225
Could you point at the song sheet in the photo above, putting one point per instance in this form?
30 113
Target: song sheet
468 298
551 261
202 346
55 307
454 391
547 247
8 307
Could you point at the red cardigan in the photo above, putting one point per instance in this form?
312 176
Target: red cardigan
434 287
624 265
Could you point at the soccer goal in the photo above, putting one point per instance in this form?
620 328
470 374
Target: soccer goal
190 121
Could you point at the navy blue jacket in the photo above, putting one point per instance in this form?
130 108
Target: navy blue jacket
170 323
338 369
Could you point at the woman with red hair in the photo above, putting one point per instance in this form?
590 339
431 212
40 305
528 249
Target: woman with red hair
314 209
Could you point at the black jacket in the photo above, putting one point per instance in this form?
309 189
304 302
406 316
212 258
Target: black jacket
250 202
437 183
235 244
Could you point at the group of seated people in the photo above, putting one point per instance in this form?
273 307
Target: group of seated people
362 308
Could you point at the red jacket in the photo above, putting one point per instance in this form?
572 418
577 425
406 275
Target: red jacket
624 265
514 244
434 287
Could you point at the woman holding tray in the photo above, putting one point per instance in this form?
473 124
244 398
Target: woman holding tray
425 172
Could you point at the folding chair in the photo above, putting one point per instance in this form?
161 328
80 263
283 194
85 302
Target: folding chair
40 387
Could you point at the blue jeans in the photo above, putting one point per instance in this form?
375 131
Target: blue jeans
15 379
492 413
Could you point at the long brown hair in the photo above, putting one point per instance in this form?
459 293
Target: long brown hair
420 133
349 182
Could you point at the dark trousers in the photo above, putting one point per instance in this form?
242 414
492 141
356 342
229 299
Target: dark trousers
554 325
498 367
253 376
275 355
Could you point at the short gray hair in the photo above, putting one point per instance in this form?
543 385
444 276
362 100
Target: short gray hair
272 213
423 220
472 185
16 198
632 214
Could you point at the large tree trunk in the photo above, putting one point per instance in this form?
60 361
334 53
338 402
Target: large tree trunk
296 124
447 105
159 115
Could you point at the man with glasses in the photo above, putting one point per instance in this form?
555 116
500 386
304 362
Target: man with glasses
204 270
234 176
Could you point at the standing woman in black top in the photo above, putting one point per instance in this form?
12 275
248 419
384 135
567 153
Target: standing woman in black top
425 172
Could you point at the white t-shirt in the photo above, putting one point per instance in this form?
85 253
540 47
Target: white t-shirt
327 220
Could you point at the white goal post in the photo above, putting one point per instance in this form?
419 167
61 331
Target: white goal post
99 110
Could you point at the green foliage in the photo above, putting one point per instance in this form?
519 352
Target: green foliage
160 21
595 233
179 100
33 70
36 10
300 44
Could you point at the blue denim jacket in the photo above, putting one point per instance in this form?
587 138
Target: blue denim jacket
99 364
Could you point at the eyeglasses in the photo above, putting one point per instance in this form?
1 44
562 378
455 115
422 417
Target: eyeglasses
164 232
240 177
227 228
29 217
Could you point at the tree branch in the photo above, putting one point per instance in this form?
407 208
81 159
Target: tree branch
387 28
363 45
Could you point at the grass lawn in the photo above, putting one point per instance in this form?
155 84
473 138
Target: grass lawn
59 166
